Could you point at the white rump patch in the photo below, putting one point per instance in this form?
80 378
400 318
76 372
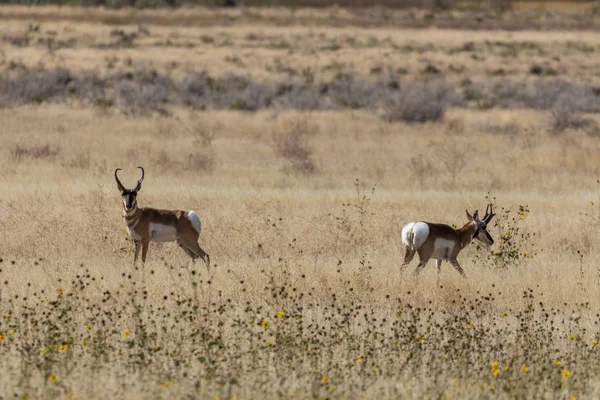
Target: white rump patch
414 235
442 248
195 220
162 233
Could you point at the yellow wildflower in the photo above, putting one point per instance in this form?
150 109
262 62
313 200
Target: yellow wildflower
59 291
565 373
359 361
495 372
280 313
505 314
53 378
557 363
332 388
524 369
11 332
572 337
165 384
126 333
63 347
470 326
1 337
422 340
325 379
89 327
265 324
594 342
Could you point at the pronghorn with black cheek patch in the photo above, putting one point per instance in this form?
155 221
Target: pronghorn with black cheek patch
442 242
149 224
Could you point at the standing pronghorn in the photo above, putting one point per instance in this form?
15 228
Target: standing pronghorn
442 242
149 224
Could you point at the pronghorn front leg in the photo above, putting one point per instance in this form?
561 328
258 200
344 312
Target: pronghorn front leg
145 243
457 266
137 250
438 264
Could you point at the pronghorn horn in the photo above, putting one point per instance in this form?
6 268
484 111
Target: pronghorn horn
121 187
139 184
489 214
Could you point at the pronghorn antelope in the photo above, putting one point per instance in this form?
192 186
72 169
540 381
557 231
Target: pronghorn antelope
149 224
442 242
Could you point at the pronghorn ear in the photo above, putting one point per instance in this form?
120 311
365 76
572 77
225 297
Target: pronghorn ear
476 215
469 216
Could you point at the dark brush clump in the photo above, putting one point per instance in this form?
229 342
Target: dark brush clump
145 91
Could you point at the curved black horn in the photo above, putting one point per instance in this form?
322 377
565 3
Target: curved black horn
488 214
119 184
139 184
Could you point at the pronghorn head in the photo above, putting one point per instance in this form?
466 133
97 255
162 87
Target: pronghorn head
481 232
129 196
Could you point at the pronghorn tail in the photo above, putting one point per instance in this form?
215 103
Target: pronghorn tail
195 220
414 235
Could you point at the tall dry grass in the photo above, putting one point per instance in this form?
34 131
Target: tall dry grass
306 298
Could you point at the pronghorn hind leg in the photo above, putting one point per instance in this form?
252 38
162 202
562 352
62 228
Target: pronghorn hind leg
197 250
438 264
420 267
457 266
190 253
408 256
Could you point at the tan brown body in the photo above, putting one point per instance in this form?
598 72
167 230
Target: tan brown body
442 242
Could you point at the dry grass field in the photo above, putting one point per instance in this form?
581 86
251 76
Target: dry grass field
302 208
